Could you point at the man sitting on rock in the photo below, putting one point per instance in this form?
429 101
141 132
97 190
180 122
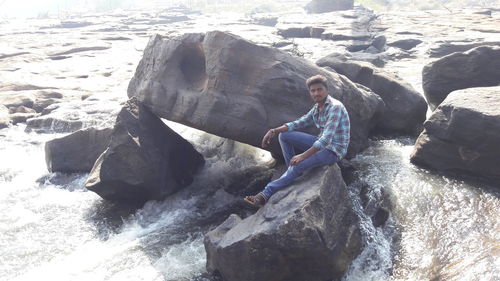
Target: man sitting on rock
330 116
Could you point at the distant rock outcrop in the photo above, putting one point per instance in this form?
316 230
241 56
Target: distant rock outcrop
145 160
463 134
325 6
308 231
405 108
227 86
478 67
76 152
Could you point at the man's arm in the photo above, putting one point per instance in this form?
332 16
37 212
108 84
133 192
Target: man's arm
331 125
303 156
271 133
302 122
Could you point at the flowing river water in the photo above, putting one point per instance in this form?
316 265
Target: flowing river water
52 228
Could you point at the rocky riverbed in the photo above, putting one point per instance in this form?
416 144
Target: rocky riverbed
59 76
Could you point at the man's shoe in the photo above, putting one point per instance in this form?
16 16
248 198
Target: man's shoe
256 201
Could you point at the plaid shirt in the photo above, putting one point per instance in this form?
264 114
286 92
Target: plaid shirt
334 125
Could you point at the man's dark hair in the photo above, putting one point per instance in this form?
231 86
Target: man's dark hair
316 79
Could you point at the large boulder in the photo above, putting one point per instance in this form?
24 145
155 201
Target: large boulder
463 134
325 6
475 68
227 86
308 231
76 152
405 108
145 160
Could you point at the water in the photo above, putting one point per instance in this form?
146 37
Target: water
449 229
51 227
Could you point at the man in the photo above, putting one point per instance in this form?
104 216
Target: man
330 116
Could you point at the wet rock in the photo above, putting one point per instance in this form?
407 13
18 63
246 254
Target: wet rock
145 160
21 109
116 38
4 56
22 117
450 47
51 124
357 46
405 108
475 68
308 231
36 100
463 134
265 20
325 6
301 32
16 99
76 152
484 12
4 117
405 44
379 42
230 87
79 50
72 24
345 35
20 87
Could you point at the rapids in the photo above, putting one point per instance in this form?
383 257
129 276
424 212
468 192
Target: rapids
52 228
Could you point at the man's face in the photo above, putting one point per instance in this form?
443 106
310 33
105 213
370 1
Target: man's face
318 92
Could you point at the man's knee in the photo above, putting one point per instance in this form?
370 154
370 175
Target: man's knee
283 136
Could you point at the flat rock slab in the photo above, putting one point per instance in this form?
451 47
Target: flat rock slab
222 84
463 134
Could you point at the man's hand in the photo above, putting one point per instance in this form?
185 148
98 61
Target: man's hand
297 159
267 138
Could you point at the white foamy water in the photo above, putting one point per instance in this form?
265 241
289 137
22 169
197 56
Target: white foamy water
53 228
449 228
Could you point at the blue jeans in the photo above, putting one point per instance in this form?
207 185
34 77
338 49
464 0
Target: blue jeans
291 144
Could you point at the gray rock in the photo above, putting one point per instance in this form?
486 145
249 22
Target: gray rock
37 100
463 134
51 124
379 42
307 231
4 117
451 47
16 99
345 35
145 160
405 109
301 32
79 50
325 6
265 20
405 44
230 87
478 67
76 152
22 117
21 109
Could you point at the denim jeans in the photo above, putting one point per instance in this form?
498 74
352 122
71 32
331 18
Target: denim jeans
291 144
